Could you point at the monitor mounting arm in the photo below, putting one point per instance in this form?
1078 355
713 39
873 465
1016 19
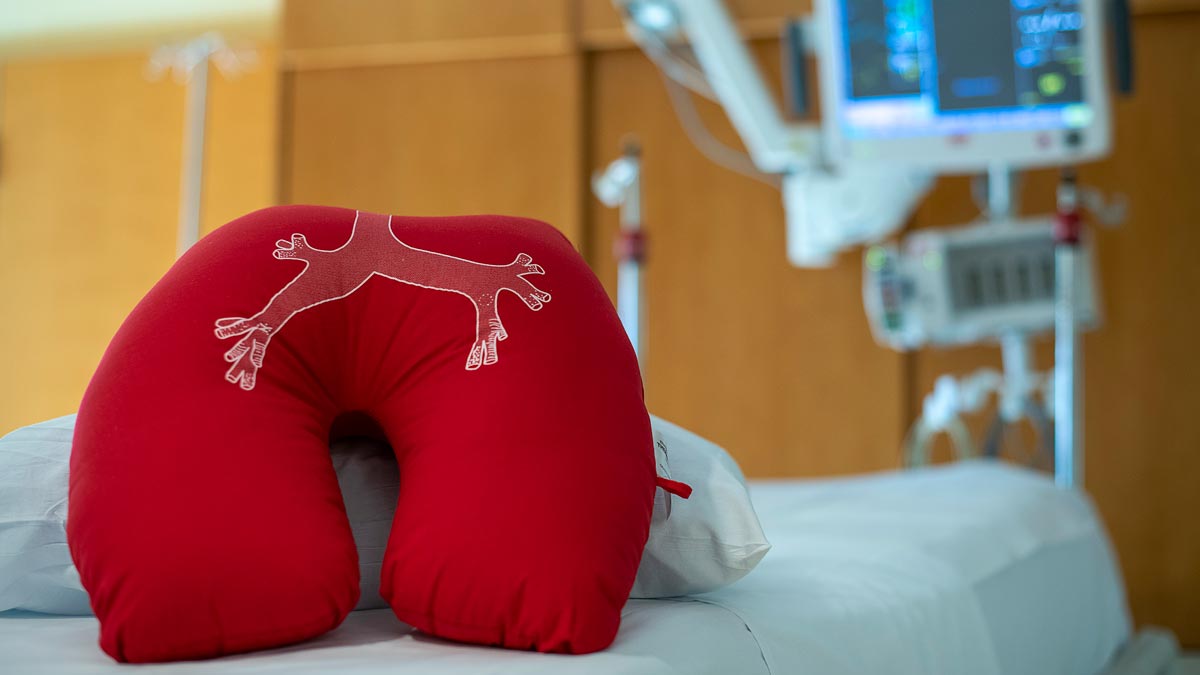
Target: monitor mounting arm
827 210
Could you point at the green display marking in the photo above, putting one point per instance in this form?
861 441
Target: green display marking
876 258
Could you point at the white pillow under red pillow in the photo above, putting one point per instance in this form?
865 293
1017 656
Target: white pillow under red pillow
36 572
696 545
705 542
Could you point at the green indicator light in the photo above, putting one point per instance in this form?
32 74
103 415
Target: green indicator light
1077 116
876 258
1052 84
932 260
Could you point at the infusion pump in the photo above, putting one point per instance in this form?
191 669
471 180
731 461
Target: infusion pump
960 286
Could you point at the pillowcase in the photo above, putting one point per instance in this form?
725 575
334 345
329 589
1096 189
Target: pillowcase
368 478
699 544
696 545
36 572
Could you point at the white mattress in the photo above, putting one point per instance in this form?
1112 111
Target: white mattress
974 568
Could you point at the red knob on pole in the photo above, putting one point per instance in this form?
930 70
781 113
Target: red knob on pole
630 245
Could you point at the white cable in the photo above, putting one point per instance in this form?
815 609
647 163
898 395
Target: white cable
680 69
917 443
942 412
680 75
716 151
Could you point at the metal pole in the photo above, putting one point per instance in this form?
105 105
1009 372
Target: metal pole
189 62
1068 351
192 174
1000 192
1014 345
630 291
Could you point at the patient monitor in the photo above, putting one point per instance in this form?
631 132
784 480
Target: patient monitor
958 86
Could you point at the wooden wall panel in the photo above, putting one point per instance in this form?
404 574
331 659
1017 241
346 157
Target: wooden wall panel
440 139
317 24
89 189
1143 445
1165 6
88 197
320 34
775 363
600 24
242 151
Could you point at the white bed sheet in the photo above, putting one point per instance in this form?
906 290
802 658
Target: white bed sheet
974 568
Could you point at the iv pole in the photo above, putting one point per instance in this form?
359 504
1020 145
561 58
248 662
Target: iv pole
1068 371
1068 432
188 62
621 184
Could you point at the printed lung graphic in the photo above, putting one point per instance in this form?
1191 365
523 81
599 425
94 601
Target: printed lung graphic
373 249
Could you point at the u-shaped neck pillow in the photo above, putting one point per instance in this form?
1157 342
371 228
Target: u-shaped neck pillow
205 516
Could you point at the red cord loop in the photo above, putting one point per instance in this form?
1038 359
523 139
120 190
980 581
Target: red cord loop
682 490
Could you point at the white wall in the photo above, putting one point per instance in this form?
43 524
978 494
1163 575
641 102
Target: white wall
41 27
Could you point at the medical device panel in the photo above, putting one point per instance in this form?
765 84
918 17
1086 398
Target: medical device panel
958 286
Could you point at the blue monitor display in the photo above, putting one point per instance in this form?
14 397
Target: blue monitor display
947 67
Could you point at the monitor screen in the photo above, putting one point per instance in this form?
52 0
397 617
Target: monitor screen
950 67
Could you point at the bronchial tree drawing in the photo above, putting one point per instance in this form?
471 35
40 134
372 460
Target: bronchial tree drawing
374 250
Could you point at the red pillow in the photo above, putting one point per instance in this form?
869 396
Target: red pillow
205 516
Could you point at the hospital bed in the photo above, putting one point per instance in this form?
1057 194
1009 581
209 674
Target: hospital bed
976 568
